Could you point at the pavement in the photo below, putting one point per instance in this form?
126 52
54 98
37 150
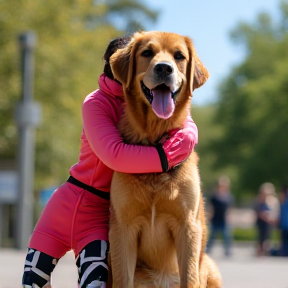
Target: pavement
241 270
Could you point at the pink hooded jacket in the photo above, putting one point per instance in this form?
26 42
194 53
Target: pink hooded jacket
102 149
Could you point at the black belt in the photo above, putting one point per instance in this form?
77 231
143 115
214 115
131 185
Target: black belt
99 193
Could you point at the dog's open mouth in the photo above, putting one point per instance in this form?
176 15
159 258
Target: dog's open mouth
161 98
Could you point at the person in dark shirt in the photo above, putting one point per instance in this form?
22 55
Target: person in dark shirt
220 202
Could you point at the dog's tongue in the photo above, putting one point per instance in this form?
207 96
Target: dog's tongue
162 104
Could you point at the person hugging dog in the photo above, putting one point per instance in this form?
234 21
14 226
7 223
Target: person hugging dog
77 215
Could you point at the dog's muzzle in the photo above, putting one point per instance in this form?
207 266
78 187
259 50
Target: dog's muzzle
161 98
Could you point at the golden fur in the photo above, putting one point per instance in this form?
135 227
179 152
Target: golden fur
158 230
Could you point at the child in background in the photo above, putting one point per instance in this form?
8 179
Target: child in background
77 215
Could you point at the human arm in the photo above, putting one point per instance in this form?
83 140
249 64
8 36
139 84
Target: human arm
100 118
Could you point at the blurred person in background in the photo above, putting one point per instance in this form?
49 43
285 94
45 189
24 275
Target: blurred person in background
283 220
220 202
266 209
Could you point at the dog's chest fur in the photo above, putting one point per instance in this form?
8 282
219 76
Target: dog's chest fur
153 188
155 202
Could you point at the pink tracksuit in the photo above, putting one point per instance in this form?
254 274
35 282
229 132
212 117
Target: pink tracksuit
74 217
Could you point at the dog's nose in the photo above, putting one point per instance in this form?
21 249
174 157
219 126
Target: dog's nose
163 69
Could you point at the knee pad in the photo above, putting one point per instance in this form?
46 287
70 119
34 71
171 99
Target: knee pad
37 269
92 265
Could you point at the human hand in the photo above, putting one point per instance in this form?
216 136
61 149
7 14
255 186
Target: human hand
176 145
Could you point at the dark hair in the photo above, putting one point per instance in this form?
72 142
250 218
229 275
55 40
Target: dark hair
112 47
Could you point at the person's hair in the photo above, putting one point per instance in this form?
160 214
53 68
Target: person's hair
112 47
267 188
224 180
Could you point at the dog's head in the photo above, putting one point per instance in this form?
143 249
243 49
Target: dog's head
162 67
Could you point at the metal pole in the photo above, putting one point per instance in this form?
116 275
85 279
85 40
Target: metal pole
27 118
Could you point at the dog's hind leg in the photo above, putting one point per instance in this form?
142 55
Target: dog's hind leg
209 273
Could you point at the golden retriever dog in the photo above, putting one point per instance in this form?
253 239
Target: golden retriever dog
158 229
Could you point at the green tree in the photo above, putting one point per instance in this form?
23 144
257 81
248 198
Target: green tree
128 14
208 131
72 37
253 105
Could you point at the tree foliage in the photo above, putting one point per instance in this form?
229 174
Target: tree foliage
208 131
72 37
253 105
131 19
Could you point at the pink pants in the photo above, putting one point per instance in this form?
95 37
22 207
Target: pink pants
72 218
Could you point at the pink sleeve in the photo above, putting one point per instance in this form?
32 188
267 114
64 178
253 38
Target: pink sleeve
193 130
100 126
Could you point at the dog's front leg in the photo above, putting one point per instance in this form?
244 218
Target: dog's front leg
188 246
123 249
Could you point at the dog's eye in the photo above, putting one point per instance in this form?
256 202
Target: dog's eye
147 53
179 56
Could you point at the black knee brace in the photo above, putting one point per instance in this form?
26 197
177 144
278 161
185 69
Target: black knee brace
92 265
38 268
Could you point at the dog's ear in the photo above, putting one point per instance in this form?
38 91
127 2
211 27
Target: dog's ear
197 74
200 73
122 63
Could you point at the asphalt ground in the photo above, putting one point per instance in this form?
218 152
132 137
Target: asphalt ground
241 270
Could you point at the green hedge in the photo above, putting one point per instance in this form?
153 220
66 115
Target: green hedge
250 234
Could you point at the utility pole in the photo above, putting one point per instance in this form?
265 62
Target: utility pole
27 116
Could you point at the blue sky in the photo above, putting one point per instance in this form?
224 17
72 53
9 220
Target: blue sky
208 23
